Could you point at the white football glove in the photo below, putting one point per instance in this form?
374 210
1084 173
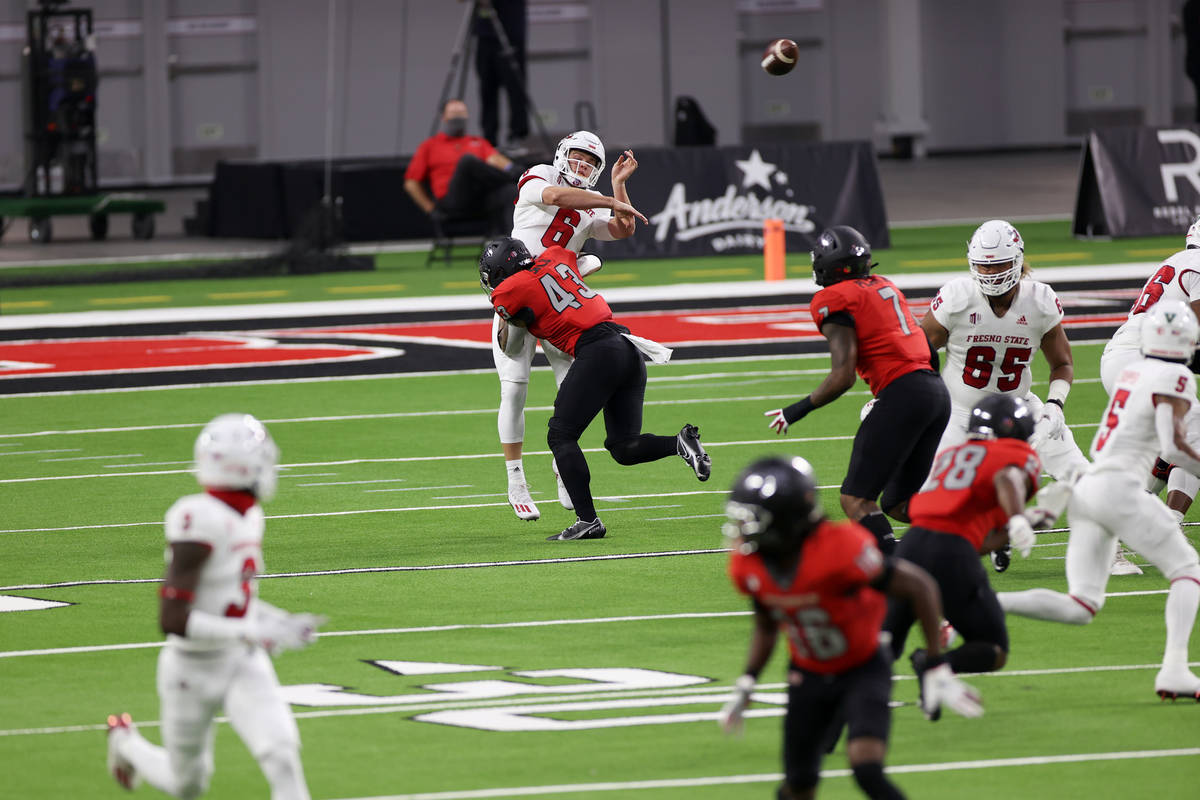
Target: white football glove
1040 517
277 631
731 714
778 422
1050 425
587 263
1020 534
940 687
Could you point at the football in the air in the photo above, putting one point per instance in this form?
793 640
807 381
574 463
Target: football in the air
780 56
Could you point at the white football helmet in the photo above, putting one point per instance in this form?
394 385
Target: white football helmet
1193 235
586 141
234 451
1170 331
996 242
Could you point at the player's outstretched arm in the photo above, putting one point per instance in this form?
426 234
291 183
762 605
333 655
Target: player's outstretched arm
843 356
762 644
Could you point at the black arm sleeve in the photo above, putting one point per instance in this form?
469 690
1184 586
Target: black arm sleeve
1194 364
935 363
524 316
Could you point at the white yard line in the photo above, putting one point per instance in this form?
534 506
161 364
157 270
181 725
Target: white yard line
728 780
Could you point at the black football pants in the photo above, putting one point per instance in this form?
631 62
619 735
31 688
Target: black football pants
608 374
477 189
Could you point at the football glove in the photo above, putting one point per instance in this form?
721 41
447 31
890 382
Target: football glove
1020 534
1040 517
940 687
1051 424
277 631
778 421
731 714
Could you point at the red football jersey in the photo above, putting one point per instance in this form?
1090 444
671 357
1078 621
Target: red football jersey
960 495
890 342
563 306
830 615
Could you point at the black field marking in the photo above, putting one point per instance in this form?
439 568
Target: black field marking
426 356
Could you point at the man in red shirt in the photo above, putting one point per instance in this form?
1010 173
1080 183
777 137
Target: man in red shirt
871 331
973 503
823 584
548 297
466 174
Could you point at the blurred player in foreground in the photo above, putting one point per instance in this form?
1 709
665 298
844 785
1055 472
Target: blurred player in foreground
1145 417
220 635
823 584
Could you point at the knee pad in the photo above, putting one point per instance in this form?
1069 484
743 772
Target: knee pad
621 451
1180 480
511 419
558 433
1188 572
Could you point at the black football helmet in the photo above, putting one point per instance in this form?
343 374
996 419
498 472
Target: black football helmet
501 258
1001 416
841 253
773 507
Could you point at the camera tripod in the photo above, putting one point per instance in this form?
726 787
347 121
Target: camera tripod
461 56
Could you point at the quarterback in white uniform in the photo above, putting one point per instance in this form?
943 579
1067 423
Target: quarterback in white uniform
220 635
1145 417
556 205
1177 278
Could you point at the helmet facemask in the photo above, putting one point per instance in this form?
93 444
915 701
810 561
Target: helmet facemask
994 243
567 159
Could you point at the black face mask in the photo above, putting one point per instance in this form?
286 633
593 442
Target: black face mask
455 126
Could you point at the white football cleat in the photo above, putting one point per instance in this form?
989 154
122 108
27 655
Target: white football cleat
564 497
522 503
120 726
1171 683
1121 564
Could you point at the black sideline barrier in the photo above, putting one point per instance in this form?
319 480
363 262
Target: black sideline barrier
700 200
1138 181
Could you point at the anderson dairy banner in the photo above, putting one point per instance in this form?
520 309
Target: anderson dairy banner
713 200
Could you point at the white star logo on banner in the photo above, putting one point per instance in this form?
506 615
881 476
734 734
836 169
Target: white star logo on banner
755 171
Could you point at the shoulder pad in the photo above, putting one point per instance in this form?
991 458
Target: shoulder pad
956 295
195 518
1044 298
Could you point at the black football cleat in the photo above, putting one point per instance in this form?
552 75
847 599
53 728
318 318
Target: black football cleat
920 661
690 450
1001 558
580 530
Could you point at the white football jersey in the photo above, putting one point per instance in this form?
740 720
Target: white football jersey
227 586
1127 440
986 354
1178 278
539 225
